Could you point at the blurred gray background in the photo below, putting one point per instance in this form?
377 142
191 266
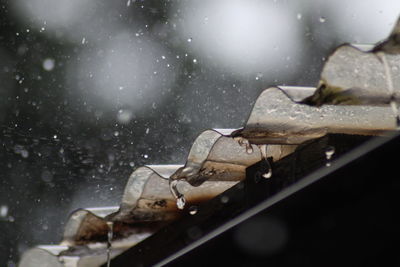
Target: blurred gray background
91 89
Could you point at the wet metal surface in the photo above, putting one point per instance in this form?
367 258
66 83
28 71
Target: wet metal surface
359 75
278 119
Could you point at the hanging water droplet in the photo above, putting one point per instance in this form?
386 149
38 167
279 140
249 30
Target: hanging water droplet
249 149
395 111
180 198
110 235
263 150
193 210
390 88
239 140
329 151
245 143
268 174
173 188
180 202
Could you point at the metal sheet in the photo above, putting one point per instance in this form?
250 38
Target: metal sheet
147 195
217 155
42 257
277 119
357 75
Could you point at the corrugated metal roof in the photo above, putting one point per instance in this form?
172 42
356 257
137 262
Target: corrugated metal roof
355 96
278 119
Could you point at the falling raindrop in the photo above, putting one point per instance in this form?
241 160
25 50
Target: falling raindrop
128 3
22 151
124 116
299 16
189 40
322 19
224 199
47 176
193 210
48 64
3 211
195 61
